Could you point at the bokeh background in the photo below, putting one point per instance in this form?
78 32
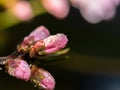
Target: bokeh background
94 62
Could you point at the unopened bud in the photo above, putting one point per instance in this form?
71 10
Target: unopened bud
22 10
55 42
38 34
49 45
18 68
42 78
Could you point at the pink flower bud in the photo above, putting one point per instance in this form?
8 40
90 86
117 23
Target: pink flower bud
55 42
38 34
49 45
42 78
18 68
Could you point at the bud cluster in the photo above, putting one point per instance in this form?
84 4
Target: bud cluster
38 44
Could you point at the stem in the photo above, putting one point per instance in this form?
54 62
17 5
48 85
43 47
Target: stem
3 60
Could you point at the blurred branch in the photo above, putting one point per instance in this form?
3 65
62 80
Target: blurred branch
7 19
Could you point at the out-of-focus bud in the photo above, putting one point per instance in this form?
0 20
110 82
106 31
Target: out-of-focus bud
49 45
58 8
116 2
95 11
38 34
22 10
18 68
92 13
42 78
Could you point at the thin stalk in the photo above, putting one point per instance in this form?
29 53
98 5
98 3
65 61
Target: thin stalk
3 60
